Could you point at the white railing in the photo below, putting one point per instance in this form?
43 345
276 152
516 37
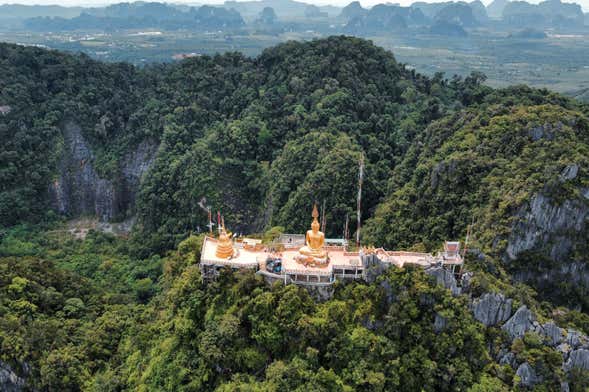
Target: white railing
230 263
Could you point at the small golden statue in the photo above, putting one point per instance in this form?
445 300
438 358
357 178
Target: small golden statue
225 246
314 240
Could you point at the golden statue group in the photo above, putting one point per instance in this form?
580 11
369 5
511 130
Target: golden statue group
313 253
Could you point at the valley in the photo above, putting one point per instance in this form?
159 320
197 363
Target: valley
509 49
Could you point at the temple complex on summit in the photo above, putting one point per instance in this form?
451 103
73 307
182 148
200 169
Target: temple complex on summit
313 260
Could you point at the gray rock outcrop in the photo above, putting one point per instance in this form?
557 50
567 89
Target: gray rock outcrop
545 223
578 359
570 172
521 322
508 359
527 375
373 267
553 333
79 190
440 323
571 344
9 380
444 278
575 339
492 309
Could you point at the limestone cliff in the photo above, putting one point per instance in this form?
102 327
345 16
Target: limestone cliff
494 310
79 190
9 380
547 224
553 235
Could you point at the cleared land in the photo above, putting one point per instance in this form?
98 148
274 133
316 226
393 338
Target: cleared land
559 62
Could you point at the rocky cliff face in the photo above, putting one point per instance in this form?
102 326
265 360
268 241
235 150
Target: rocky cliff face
544 223
9 380
79 190
494 309
554 234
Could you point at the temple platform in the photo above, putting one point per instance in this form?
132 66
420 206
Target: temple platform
342 265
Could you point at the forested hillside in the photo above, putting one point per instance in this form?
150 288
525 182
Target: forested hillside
260 139
224 128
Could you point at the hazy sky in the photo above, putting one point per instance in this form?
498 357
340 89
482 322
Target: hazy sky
365 3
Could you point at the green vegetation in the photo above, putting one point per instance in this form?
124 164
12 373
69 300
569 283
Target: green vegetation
227 125
481 165
80 322
78 315
65 304
260 140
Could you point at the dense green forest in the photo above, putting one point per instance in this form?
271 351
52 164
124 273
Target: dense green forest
86 315
261 139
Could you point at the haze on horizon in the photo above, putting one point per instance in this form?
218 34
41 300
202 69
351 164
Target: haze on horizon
340 3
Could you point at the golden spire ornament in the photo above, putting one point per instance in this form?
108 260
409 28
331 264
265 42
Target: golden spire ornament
224 246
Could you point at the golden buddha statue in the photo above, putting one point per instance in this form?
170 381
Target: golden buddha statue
224 246
314 239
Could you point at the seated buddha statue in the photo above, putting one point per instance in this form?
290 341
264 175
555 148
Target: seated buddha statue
224 246
314 239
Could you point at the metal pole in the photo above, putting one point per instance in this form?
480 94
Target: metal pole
359 200
323 217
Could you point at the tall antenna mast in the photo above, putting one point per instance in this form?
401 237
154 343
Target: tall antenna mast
323 216
346 230
210 221
468 233
359 200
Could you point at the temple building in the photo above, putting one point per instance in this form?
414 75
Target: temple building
313 260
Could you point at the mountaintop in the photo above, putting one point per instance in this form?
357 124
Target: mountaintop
261 139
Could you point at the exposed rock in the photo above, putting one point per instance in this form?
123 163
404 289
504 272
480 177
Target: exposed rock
388 291
570 172
575 339
80 191
521 322
527 375
492 308
578 359
564 387
320 293
443 170
10 381
373 267
508 359
544 222
440 323
465 281
553 333
444 278
564 349
573 272
545 131
138 162
537 328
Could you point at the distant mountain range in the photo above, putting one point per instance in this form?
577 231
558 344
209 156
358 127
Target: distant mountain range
550 14
451 18
284 9
447 18
139 16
